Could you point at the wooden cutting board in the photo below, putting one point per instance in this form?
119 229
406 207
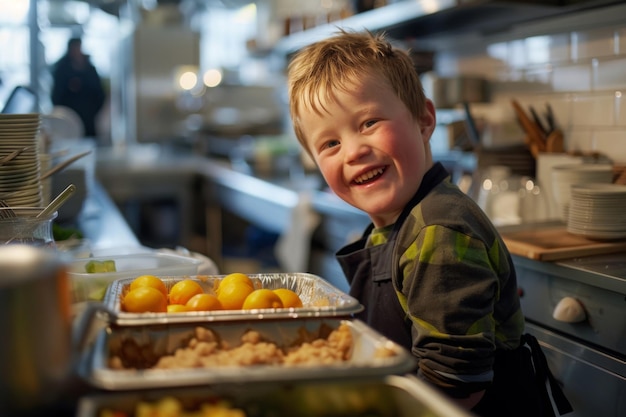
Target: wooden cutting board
553 243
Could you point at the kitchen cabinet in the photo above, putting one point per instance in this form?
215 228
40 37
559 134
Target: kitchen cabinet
434 23
586 352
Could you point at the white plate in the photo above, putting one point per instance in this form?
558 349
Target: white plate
598 235
25 202
581 209
599 227
19 183
5 117
19 194
600 190
20 140
22 168
13 128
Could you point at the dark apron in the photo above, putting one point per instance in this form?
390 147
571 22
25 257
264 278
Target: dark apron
520 376
368 270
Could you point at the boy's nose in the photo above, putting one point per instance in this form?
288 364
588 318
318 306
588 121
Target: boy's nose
355 149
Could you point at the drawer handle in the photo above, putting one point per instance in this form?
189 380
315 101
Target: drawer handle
569 310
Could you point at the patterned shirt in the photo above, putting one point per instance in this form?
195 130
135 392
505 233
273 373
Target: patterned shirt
456 282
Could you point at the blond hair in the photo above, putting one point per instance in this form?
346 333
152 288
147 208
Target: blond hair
332 64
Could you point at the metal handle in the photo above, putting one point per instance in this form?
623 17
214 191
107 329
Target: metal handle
569 310
58 201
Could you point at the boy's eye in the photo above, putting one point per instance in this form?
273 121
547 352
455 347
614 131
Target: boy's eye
331 144
370 123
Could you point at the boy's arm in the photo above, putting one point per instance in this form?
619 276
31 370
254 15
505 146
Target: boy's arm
449 289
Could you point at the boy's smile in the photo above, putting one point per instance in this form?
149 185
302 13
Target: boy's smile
369 176
369 147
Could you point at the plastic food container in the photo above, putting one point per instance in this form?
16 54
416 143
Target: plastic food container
319 298
389 396
139 349
92 286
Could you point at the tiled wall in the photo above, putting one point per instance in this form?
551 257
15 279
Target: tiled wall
580 73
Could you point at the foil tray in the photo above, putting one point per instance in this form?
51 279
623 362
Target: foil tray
319 297
388 396
144 345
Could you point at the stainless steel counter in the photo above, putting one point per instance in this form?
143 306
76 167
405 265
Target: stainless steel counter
102 223
269 203
265 202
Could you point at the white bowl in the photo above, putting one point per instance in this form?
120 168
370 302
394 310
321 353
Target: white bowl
92 286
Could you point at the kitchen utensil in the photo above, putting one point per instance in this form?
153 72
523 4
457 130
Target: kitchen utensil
26 228
391 395
6 212
42 342
36 328
320 297
58 201
63 165
12 155
470 123
156 341
538 121
536 138
550 117
449 92
554 141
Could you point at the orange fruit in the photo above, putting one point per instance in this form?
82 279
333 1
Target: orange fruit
183 290
143 300
177 308
262 298
149 281
288 297
232 295
236 277
204 302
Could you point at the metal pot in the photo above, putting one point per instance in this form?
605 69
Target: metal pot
453 91
36 353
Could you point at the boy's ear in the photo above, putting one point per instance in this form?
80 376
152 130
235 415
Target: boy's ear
428 120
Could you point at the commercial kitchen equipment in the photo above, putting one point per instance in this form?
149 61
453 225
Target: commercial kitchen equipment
575 307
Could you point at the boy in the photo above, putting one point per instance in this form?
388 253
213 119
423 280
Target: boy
431 270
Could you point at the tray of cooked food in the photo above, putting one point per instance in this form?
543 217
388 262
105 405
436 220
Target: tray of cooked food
186 354
147 299
387 396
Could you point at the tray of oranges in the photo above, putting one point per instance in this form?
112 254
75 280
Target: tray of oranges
186 354
149 299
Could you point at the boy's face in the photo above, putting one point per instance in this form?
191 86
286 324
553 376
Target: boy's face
371 151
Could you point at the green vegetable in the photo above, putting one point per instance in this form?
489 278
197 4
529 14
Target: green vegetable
64 233
94 267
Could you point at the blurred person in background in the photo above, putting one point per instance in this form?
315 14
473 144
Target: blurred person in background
77 85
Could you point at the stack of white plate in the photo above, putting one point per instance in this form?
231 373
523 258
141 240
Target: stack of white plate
20 178
565 176
597 211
